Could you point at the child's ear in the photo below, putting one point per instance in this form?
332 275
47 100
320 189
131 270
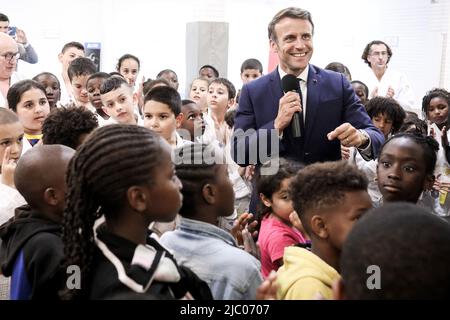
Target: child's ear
51 197
137 198
318 226
429 182
338 289
209 193
179 119
265 200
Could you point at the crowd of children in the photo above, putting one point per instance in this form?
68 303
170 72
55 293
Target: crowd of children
135 186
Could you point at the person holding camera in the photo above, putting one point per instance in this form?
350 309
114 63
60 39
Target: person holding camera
26 51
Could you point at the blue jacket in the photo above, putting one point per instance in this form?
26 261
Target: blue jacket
212 253
331 101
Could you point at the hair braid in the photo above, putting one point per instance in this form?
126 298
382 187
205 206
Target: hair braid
111 160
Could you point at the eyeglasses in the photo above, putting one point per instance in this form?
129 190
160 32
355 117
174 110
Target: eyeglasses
382 53
9 56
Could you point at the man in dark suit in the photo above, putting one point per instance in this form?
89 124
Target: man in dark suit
330 112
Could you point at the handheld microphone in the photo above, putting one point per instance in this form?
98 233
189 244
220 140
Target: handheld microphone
291 83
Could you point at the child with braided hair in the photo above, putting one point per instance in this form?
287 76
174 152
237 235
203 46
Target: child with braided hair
125 173
199 243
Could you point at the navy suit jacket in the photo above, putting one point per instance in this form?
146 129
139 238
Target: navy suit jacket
331 101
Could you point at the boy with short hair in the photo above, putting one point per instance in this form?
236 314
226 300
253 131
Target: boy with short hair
93 86
11 136
119 101
329 198
251 69
32 249
406 246
69 52
192 122
162 114
68 126
79 71
208 71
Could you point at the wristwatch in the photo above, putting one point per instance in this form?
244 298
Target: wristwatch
365 139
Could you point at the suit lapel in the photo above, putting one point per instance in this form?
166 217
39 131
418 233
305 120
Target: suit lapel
312 100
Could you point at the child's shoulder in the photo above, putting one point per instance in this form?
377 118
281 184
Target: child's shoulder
46 244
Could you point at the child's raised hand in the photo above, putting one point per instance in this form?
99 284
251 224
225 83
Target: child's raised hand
444 138
8 168
297 223
374 93
345 152
390 92
432 133
250 245
295 220
268 289
241 223
249 172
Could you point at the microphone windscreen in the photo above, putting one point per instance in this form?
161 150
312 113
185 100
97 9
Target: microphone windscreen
290 83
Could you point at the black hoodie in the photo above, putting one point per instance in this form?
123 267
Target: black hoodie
31 252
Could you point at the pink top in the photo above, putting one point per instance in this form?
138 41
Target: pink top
274 236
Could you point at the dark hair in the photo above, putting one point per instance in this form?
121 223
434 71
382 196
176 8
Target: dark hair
340 68
229 117
322 185
111 160
7 116
366 51
35 78
291 12
81 67
115 73
185 102
269 184
216 72
165 71
16 91
195 167
150 84
125 57
408 244
72 44
4 17
166 95
113 83
65 126
429 146
98 75
366 89
420 126
434 93
388 106
227 83
252 64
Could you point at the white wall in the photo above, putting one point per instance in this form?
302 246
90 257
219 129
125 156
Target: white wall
155 32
